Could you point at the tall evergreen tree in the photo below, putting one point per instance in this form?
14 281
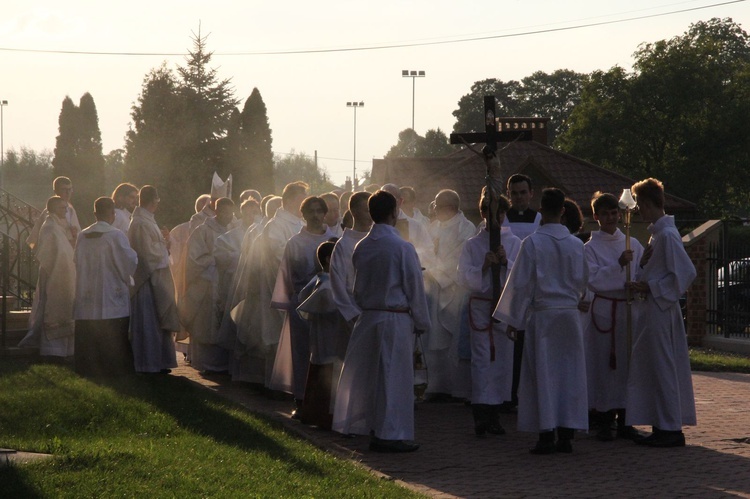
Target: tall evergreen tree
156 144
209 103
255 167
78 153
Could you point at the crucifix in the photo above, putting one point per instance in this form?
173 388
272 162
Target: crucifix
493 183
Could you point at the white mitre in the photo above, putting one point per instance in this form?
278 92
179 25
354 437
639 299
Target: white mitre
221 189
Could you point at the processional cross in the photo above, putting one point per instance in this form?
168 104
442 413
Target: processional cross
494 184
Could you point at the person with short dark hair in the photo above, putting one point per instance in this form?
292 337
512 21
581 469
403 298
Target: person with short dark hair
607 354
660 387
105 263
297 267
545 285
491 379
154 314
375 395
521 218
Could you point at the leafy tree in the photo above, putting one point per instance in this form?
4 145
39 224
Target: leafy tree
540 94
299 166
27 166
679 116
410 144
114 164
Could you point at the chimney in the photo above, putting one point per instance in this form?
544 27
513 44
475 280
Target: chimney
537 126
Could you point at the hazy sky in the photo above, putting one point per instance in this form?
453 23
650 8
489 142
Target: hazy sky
306 93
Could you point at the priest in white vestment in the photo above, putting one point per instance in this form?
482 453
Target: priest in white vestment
606 336
51 322
154 316
63 188
545 285
227 254
413 231
248 355
660 386
448 374
375 395
333 216
125 197
491 378
105 264
199 311
298 265
409 206
271 243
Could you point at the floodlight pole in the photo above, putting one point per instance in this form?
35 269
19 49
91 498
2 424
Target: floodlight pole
408 73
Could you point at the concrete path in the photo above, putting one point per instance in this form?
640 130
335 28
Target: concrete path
453 462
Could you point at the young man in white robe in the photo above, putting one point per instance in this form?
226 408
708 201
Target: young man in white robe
249 357
375 392
342 268
63 188
298 265
286 222
105 264
606 337
545 285
660 387
413 231
491 379
51 322
154 316
333 216
199 311
449 374
125 197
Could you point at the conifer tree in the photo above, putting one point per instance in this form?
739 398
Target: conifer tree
256 142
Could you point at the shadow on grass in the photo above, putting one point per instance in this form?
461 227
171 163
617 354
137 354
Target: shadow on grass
14 483
204 413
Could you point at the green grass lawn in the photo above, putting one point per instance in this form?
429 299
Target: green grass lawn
704 359
156 436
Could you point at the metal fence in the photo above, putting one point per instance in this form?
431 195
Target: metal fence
18 269
728 287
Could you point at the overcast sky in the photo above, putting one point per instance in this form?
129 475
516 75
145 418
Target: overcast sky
306 92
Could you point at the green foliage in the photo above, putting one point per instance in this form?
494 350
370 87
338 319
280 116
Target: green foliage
551 95
178 132
78 153
27 166
299 166
250 154
158 436
410 144
680 116
703 359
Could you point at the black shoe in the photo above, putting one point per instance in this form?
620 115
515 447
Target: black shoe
605 434
645 439
666 439
628 433
495 429
565 446
165 371
543 448
378 445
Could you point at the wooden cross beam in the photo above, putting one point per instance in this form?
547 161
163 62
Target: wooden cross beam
490 138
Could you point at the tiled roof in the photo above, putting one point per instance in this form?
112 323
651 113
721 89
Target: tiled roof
464 172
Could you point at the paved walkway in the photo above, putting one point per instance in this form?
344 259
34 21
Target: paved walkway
452 462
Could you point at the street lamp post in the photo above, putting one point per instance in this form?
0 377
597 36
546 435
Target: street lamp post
355 105
3 103
407 73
